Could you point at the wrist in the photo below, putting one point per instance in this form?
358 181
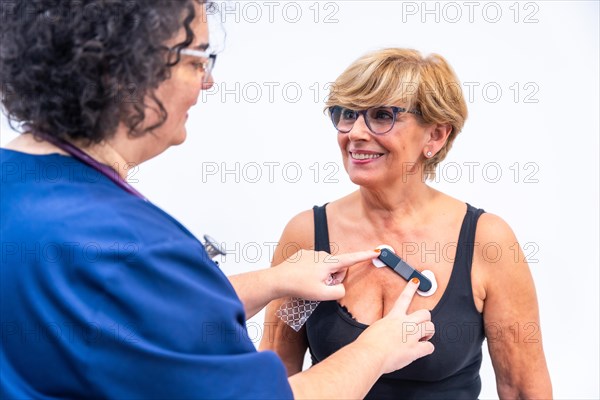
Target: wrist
376 353
278 282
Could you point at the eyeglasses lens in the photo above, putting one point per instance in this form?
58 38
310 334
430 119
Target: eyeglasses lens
378 119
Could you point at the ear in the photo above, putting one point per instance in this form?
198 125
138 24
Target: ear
437 137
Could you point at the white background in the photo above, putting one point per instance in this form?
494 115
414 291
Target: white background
263 124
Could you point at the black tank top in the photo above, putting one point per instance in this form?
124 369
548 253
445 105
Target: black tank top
452 371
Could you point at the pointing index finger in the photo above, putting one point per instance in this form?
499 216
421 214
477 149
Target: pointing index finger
348 259
406 297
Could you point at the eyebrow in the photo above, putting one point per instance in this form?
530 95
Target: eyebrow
197 51
202 47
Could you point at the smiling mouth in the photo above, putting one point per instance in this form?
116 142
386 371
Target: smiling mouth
364 156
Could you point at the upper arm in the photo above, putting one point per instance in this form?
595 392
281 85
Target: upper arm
278 336
510 312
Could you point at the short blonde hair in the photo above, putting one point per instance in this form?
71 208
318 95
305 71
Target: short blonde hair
403 77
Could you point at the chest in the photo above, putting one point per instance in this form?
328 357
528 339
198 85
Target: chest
371 292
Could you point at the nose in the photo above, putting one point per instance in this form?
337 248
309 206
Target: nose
360 130
208 81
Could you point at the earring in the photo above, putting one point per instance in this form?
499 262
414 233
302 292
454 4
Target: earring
428 154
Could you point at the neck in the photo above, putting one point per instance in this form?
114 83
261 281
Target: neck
117 153
401 201
107 153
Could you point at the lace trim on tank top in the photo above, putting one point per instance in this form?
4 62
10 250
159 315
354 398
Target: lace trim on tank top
346 311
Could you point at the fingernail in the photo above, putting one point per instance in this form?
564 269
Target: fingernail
415 280
377 250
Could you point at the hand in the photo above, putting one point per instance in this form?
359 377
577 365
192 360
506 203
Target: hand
400 338
318 275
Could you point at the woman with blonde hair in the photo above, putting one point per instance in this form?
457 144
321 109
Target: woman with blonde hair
397 115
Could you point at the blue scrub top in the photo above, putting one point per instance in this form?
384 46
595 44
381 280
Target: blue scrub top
105 295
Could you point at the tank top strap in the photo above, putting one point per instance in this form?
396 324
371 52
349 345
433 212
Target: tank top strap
321 229
466 243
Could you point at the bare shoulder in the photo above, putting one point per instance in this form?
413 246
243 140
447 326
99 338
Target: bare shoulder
300 229
298 234
493 230
497 251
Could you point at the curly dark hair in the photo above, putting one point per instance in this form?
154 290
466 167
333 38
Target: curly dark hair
76 68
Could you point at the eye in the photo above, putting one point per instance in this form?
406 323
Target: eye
348 114
198 65
382 114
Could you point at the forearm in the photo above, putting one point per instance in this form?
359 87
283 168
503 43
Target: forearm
347 374
518 359
257 288
536 385
541 391
307 274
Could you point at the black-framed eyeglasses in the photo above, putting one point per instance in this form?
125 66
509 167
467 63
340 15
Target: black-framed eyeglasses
206 61
379 120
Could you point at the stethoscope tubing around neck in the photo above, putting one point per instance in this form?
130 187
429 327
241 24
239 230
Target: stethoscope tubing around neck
88 160
211 246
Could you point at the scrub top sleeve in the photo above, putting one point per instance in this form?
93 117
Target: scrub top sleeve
169 325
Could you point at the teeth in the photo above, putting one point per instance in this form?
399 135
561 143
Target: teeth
363 156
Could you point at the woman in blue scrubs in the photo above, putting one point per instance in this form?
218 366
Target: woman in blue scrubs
103 294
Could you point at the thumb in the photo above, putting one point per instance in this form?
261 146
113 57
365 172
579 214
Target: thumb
333 292
339 276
